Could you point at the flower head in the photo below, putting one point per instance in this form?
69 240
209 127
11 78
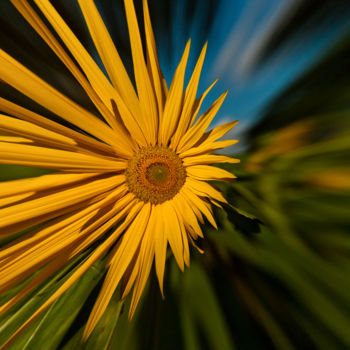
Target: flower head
133 182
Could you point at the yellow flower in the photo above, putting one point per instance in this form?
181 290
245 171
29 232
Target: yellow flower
133 181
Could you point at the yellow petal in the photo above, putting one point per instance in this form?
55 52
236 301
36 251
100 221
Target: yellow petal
191 220
4 202
118 211
13 73
34 118
172 230
156 75
220 131
195 133
50 158
208 173
174 101
61 242
97 254
190 96
109 55
59 226
146 256
48 271
203 189
207 148
120 261
149 113
41 205
181 217
15 139
33 132
208 159
96 77
39 183
199 204
39 26
161 243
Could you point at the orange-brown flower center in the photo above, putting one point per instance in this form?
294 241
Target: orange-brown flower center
155 174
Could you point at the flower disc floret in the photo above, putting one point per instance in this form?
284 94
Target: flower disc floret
155 174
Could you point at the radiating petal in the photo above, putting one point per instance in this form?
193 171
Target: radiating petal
146 255
219 131
208 159
109 55
97 254
33 132
121 258
172 230
50 158
96 77
41 204
36 119
156 75
195 133
206 148
39 26
13 73
189 99
40 183
181 218
199 204
203 189
174 101
161 243
206 172
149 113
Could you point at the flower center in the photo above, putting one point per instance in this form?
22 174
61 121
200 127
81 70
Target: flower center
155 174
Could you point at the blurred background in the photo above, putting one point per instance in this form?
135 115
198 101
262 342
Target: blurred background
276 273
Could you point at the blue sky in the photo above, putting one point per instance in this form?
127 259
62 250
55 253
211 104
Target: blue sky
238 35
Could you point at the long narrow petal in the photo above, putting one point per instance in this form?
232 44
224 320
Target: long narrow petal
50 158
195 133
207 147
120 261
96 77
48 271
200 204
109 55
58 225
34 118
174 101
41 205
190 96
13 73
106 93
172 230
152 57
36 220
118 211
40 183
146 256
97 254
191 220
207 173
220 131
202 188
62 242
181 218
33 132
208 159
161 243
39 26
144 87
